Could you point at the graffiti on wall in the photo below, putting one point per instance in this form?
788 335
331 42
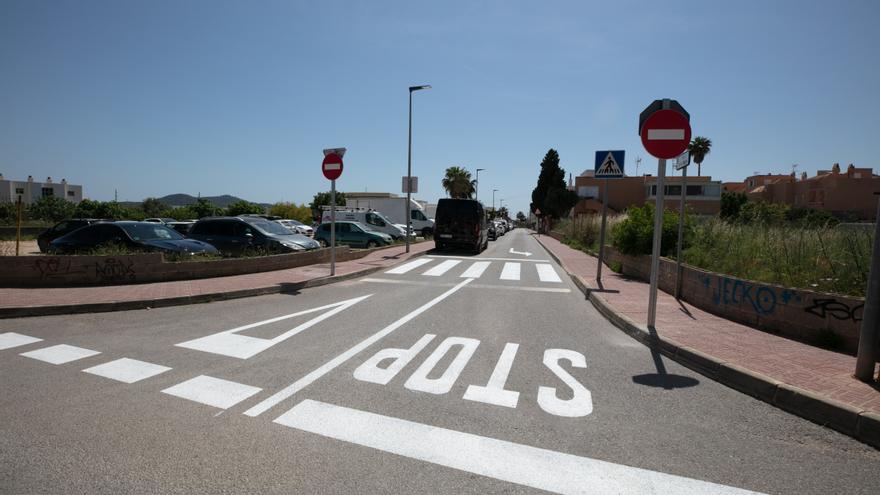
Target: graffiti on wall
114 270
762 299
838 310
50 268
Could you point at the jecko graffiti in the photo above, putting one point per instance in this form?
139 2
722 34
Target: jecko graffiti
760 298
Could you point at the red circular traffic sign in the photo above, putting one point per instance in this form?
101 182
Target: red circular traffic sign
666 134
332 166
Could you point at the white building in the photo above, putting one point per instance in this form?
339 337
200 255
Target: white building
31 191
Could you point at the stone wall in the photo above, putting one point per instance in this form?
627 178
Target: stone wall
795 313
71 270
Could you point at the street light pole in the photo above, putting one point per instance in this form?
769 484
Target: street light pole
478 182
408 209
493 200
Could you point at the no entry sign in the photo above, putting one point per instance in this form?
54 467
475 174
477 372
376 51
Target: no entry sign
332 166
666 134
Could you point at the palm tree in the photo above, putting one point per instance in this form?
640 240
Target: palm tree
698 149
458 183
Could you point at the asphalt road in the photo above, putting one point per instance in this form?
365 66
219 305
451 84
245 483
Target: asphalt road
464 374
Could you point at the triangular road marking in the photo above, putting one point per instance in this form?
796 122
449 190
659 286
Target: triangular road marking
609 166
229 343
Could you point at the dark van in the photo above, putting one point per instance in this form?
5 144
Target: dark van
460 223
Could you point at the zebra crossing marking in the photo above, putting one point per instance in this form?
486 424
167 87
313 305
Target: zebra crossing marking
211 391
9 340
60 354
412 265
510 271
476 270
546 273
127 370
441 268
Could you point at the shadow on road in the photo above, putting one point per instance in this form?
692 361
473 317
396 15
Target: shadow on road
662 378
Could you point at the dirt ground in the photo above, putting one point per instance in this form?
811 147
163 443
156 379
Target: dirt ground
26 248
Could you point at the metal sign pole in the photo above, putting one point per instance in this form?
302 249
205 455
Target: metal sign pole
684 174
602 233
658 233
332 227
18 226
867 356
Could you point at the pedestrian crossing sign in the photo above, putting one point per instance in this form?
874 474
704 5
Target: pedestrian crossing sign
609 164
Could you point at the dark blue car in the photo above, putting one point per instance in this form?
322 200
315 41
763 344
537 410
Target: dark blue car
139 236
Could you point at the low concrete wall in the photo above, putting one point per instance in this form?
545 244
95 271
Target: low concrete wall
70 270
795 313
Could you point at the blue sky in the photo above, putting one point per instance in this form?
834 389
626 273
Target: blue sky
237 97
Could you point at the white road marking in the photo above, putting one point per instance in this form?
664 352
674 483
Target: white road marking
487 259
419 380
229 343
127 370
665 134
493 392
412 265
510 271
476 270
472 286
581 402
9 340
524 253
499 459
307 380
546 273
60 354
212 391
371 372
441 268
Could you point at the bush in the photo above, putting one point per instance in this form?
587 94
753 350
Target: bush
731 204
50 209
634 235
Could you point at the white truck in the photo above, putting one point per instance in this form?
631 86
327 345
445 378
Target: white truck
372 219
394 208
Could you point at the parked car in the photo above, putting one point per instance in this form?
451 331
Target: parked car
182 226
142 236
353 234
373 219
235 235
62 228
491 231
297 227
165 220
461 223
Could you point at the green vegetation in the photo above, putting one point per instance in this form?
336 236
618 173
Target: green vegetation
292 211
699 148
634 235
458 183
551 196
323 199
826 259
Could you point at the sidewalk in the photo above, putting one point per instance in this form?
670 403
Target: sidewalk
802 379
42 301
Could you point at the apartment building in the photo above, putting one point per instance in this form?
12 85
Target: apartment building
848 194
702 197
31 191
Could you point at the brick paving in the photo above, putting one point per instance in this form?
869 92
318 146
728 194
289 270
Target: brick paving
826 373
43 297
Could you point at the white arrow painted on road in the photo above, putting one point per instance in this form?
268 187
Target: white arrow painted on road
232 344
524 253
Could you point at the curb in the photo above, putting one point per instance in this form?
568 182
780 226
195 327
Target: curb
68 309
854 422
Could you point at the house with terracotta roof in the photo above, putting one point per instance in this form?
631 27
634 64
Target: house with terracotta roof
703 195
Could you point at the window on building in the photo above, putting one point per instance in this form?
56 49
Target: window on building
48 191
588 191
19 190
673 190
71 193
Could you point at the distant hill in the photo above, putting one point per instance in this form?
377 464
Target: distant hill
181 199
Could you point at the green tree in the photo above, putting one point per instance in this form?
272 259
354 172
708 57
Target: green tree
698 149
153 207
323 199
242 207
110 210
458 183
293 211
50 209
520 217
551 197
731 205
182 213
503 213
204 208
9 212
635 234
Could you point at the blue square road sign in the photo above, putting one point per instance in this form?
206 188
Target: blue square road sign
609 164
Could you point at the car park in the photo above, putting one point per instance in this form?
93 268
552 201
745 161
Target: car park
238 235
182 227
353 234
491 231
461 223
139 236
371 218
60 229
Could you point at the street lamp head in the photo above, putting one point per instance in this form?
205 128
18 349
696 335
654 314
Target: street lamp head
417 88
480 169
